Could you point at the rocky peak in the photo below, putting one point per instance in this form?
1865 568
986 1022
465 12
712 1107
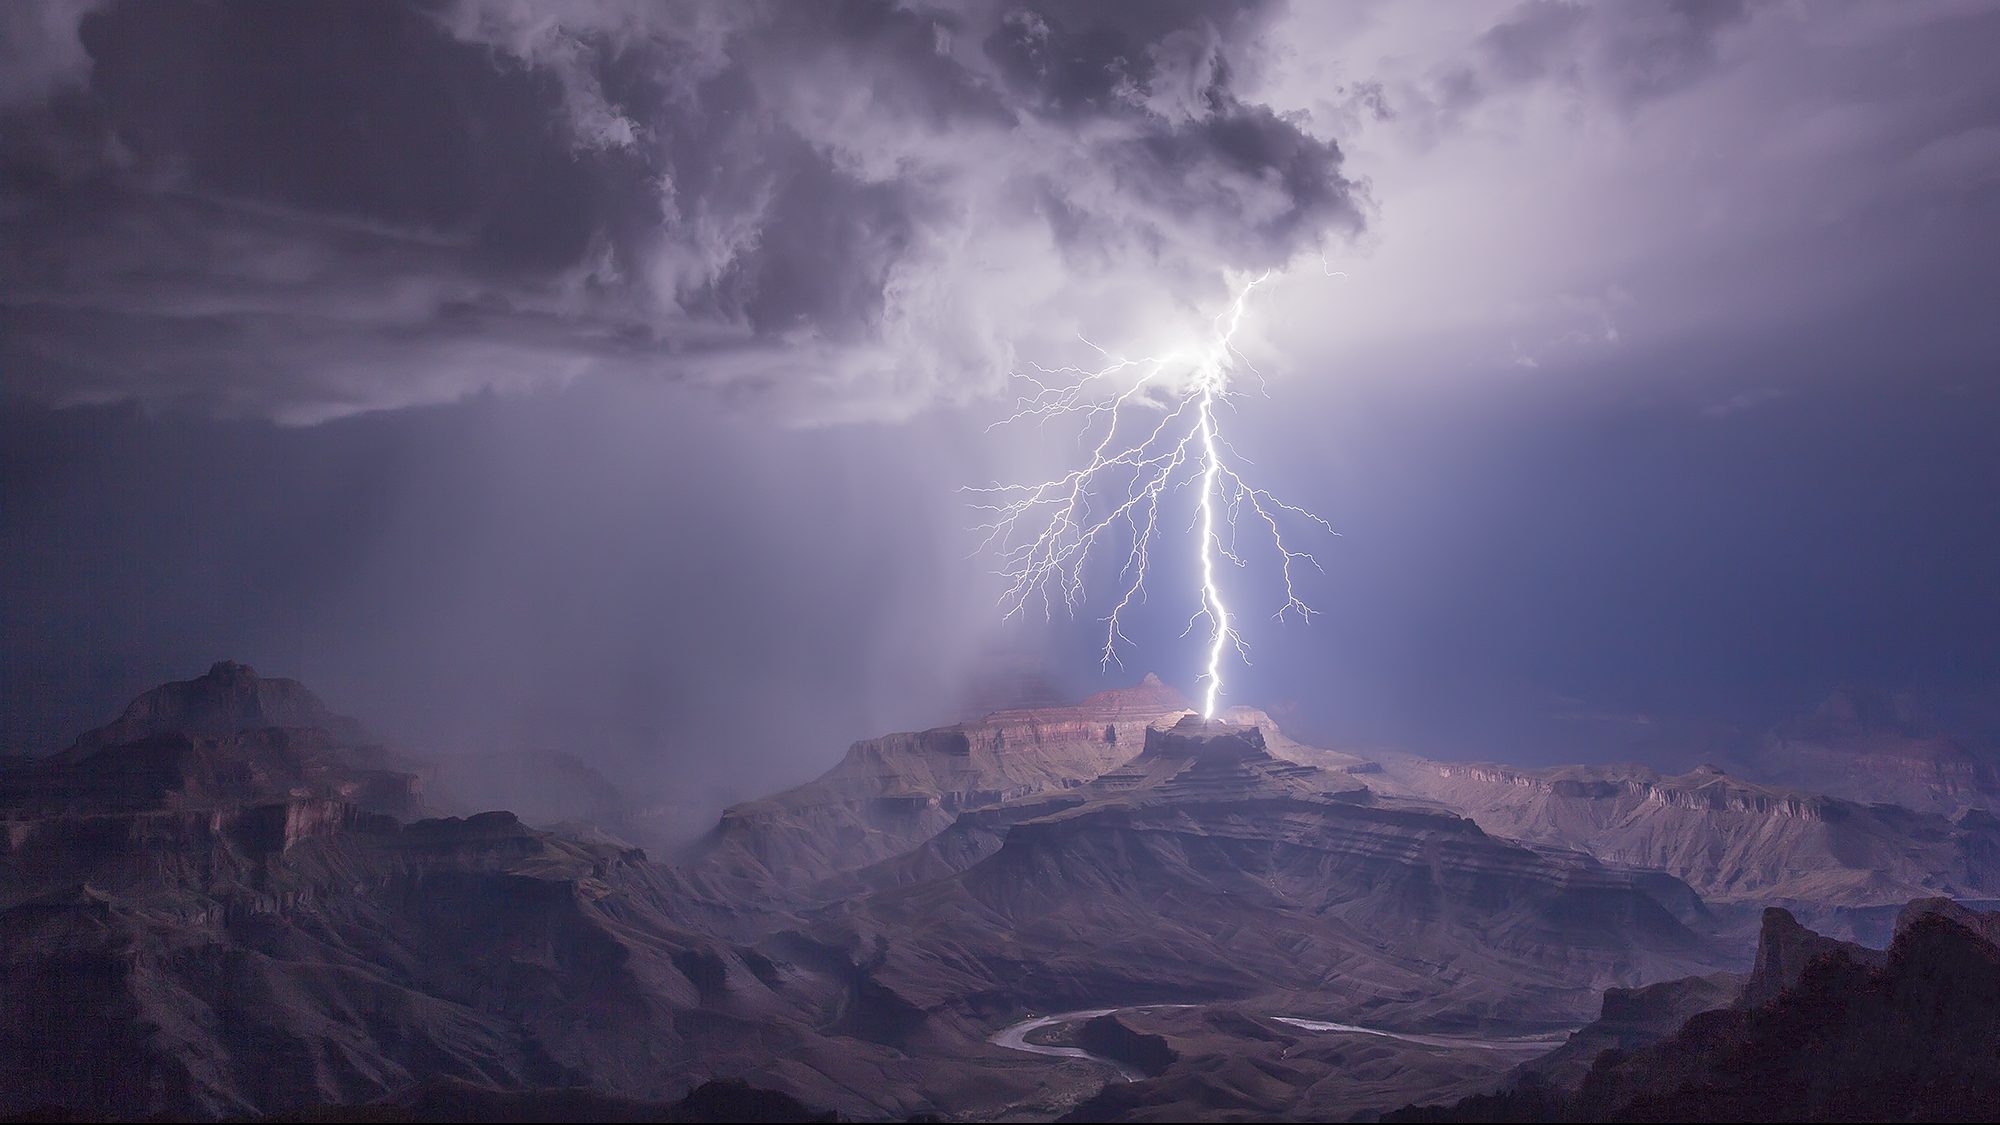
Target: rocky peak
1209 759
228 699
1207 740
1785 949
226 738
1984 923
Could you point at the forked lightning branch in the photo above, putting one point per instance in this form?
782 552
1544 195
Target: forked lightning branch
1158 464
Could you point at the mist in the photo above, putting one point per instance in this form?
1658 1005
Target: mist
673 593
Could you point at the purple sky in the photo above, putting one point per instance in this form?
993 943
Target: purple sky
602 375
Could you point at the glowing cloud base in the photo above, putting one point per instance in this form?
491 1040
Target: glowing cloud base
1153 429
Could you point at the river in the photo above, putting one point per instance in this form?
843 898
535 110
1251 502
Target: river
1015 1036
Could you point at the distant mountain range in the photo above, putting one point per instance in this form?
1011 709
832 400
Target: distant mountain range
232 900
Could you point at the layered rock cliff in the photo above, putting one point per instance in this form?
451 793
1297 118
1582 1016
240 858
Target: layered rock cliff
1731 840
891 794
223 921
1205 868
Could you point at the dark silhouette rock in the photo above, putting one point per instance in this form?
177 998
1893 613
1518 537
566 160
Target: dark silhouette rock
227 699
1108 1036
1785 950
1846 1036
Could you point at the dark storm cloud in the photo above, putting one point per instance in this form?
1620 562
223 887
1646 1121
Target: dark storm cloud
307 210
1666 383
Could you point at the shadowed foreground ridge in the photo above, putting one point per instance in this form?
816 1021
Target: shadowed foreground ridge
1822 1031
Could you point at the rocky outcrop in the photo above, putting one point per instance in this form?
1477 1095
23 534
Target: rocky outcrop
1630 1018
227 738
225 921
1205 868
229 698
1824 1032
1733 841
891 794
251 960
1785 950
1110 1037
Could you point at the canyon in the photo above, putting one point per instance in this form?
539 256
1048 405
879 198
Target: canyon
232 900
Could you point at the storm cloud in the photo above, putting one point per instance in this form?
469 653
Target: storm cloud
449 356
841 210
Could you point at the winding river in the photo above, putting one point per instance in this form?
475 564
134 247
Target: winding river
1015 1037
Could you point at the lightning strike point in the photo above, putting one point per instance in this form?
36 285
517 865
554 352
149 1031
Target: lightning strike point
1044 533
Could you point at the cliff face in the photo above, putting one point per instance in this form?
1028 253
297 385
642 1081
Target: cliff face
1908 1040
228 920
1629 1019
253 960
1205 868
891 794
1785 950
177 770
1730 839
214 906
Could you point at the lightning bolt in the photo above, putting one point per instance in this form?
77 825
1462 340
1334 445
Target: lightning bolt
1045 533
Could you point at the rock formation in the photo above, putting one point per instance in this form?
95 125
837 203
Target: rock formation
232 901
1205 868
891 794
1823 1031
1733 841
